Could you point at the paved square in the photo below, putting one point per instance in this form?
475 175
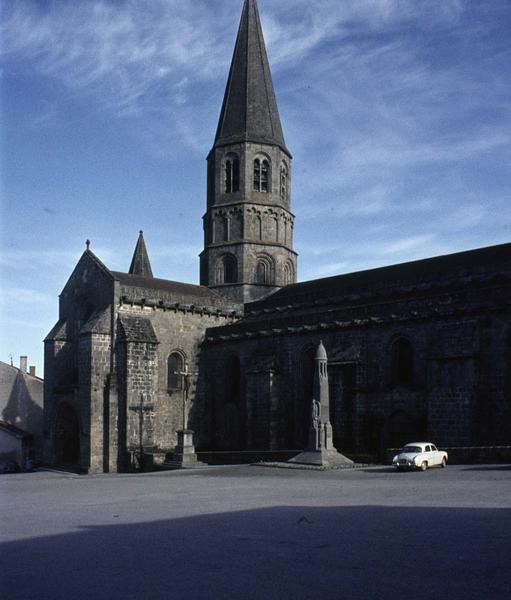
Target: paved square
256 532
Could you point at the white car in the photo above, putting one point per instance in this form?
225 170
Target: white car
420 455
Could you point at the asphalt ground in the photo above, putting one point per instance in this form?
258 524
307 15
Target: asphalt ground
254 532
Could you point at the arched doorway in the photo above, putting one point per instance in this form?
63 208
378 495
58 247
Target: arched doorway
67 436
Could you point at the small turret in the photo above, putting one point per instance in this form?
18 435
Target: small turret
140 264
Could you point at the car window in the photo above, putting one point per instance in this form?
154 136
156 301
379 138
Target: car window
412 449
428 448
434 448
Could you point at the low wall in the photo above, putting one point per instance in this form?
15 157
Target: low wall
245 456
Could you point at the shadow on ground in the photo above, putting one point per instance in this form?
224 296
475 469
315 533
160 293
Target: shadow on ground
369 552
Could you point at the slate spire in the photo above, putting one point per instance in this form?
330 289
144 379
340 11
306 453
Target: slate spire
140 264
249 110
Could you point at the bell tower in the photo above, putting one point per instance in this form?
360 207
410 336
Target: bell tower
248 227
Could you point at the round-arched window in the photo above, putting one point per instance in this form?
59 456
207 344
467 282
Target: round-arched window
227 269
288 274
264 271
175 365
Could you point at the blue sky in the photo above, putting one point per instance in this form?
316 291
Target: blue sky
397 112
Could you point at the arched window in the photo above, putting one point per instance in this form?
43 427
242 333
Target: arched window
264 271
283 182
232 174
261 175
175 365
288 274
261 273
402 362
227 269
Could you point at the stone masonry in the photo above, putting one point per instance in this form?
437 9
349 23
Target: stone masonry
418 350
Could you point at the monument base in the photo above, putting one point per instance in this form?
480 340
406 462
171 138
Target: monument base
326 459
184 456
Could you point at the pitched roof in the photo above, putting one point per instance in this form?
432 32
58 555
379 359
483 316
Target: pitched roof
98 322
481 262
137 329
170 287
140 264
249 110
57 332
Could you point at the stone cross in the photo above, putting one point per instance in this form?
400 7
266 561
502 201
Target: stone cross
185 374
141 409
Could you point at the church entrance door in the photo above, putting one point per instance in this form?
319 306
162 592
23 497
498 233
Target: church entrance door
67 436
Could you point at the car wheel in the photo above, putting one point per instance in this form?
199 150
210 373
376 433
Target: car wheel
424 466
444 463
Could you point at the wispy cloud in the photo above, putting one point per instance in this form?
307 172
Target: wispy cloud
35 259
25 296
123 54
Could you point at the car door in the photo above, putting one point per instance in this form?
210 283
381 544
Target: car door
435 455
428 456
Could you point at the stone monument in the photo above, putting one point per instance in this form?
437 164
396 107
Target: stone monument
184 456
321 451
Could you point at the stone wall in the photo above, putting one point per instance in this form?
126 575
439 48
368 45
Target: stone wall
456 394
142 370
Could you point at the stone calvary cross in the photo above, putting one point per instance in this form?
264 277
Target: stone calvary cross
185 374
184 456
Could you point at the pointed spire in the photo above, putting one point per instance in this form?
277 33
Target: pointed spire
140 264
249 111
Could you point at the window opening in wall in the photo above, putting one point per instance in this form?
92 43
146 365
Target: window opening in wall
264 271
230 269
261 273
402 362
261 175
174 366
232 174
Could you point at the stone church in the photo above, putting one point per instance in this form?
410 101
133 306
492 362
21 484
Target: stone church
416 350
